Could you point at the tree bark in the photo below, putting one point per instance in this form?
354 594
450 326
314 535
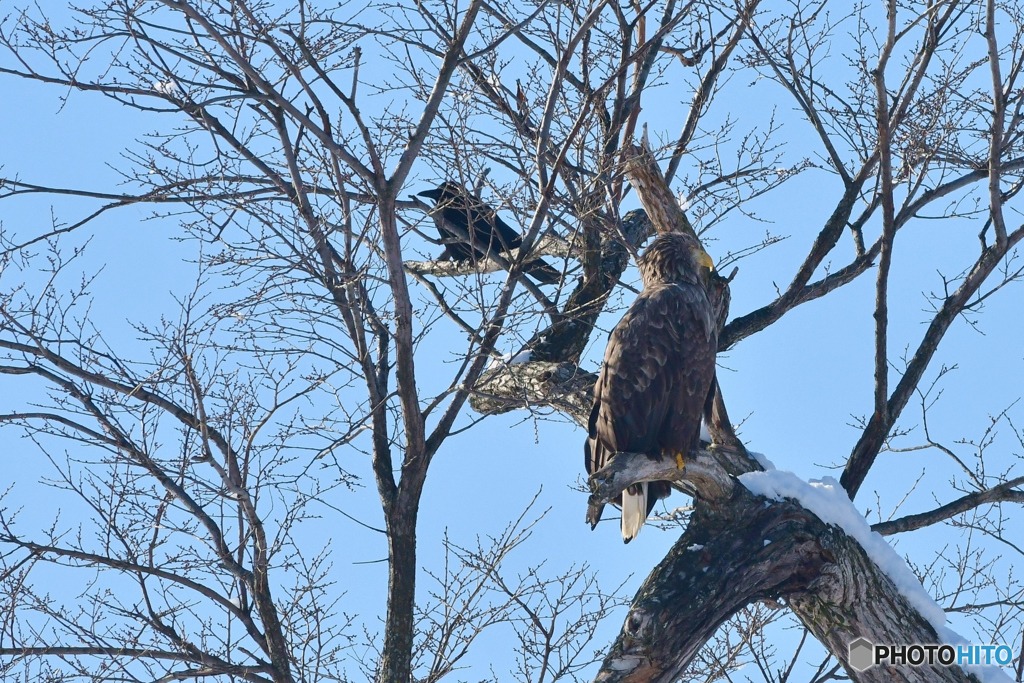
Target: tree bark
396 662
718 566
744 549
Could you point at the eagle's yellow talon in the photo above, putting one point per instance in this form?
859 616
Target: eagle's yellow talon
680 463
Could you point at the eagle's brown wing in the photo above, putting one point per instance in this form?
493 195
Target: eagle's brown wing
658 367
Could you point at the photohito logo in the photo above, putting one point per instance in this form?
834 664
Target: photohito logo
864 654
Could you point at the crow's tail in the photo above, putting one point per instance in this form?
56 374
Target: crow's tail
543 273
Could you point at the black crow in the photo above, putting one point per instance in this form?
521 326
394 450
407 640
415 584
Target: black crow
461 209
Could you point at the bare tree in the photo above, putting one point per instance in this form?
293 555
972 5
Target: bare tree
291 138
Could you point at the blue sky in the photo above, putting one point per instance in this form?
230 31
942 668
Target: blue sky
795 385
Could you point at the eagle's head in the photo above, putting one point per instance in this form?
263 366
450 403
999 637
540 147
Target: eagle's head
675 257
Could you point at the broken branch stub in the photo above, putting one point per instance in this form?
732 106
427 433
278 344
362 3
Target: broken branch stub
643 173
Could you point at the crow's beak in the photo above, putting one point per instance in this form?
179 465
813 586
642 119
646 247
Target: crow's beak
429 194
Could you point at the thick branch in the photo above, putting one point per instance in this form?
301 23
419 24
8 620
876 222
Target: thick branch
874 435
747 549
799 291
997 494
996 132
719 565
214 665
702 474
881 414
567 337
552 377
654 193
514 386
548 245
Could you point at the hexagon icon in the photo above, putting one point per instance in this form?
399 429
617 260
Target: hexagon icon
861 654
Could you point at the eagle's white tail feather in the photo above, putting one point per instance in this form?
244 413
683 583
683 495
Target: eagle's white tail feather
634 512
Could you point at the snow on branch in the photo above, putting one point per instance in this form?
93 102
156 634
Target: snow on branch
830 503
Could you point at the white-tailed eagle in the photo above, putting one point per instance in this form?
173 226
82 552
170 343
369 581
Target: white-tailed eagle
658 369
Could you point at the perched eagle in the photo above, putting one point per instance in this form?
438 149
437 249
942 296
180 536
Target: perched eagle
488 232
658 369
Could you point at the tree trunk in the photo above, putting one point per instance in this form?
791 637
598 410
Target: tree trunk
396 659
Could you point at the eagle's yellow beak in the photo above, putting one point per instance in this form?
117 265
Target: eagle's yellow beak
704 260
